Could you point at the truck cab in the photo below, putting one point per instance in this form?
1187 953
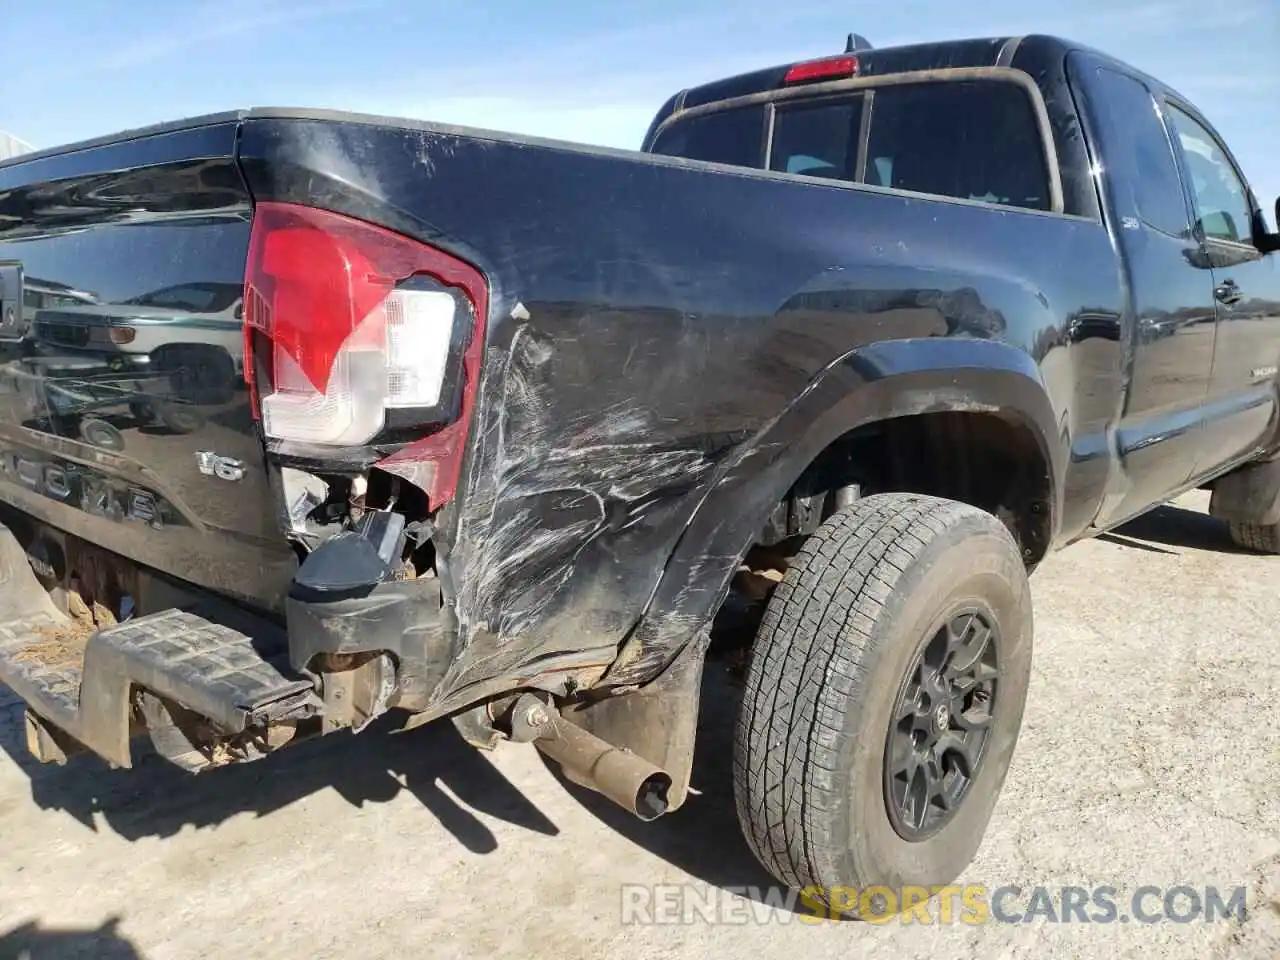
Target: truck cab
1181 379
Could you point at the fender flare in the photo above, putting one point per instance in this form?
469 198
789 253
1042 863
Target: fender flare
872 383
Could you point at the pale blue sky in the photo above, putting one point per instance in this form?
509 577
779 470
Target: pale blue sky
585 71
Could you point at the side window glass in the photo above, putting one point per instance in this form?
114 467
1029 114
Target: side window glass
973 139
1222 203
1139 158
818 138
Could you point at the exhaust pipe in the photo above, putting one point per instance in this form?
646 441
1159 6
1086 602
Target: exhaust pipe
628 780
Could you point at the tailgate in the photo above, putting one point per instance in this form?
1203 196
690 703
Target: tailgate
124 416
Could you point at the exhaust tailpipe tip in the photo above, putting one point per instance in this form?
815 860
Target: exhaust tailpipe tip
633 783
651 800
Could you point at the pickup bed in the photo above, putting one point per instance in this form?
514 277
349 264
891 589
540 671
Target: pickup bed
308 418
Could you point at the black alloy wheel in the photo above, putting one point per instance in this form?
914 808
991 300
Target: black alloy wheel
940 725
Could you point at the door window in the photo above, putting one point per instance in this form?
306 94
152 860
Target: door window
1222 203
1139 157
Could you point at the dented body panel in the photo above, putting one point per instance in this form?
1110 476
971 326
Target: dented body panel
668 345
666 353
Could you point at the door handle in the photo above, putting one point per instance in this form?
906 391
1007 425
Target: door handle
1227 292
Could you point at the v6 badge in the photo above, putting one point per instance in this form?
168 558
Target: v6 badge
224 468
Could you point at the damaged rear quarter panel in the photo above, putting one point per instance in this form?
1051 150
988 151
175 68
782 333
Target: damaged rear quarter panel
650 319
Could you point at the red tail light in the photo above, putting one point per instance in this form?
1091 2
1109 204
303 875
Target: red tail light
357 321
828 68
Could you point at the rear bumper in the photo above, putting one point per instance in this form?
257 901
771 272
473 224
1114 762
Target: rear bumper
210 683
66 360
207 668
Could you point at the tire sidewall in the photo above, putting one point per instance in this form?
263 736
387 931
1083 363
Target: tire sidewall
101 434
180 419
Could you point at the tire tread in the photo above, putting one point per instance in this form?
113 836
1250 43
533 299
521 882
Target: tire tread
1263 537
813 652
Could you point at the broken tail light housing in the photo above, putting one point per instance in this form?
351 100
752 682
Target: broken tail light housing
352 330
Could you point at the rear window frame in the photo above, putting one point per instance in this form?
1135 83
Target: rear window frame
866 87
842 98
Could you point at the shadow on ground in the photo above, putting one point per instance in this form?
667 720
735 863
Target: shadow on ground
1174 527
156 799
33 942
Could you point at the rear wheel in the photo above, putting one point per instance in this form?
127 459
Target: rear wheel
101 434
198 374
1263 537
179 418
884 697
142 411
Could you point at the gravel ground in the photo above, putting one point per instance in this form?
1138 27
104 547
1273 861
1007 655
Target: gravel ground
1150 755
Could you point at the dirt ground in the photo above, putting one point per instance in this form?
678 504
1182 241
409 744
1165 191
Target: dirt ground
1150 756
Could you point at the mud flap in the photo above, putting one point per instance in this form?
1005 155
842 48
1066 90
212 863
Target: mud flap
657 721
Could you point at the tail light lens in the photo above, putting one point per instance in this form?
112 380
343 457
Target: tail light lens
358 321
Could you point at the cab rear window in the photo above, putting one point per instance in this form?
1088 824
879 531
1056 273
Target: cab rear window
734 136
817 138
971 139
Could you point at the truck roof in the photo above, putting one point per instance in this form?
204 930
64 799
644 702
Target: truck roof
1033 52
1040 55
977 52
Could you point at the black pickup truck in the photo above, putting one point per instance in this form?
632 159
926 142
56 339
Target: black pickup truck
507 422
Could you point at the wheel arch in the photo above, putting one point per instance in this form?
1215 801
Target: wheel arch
886 382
